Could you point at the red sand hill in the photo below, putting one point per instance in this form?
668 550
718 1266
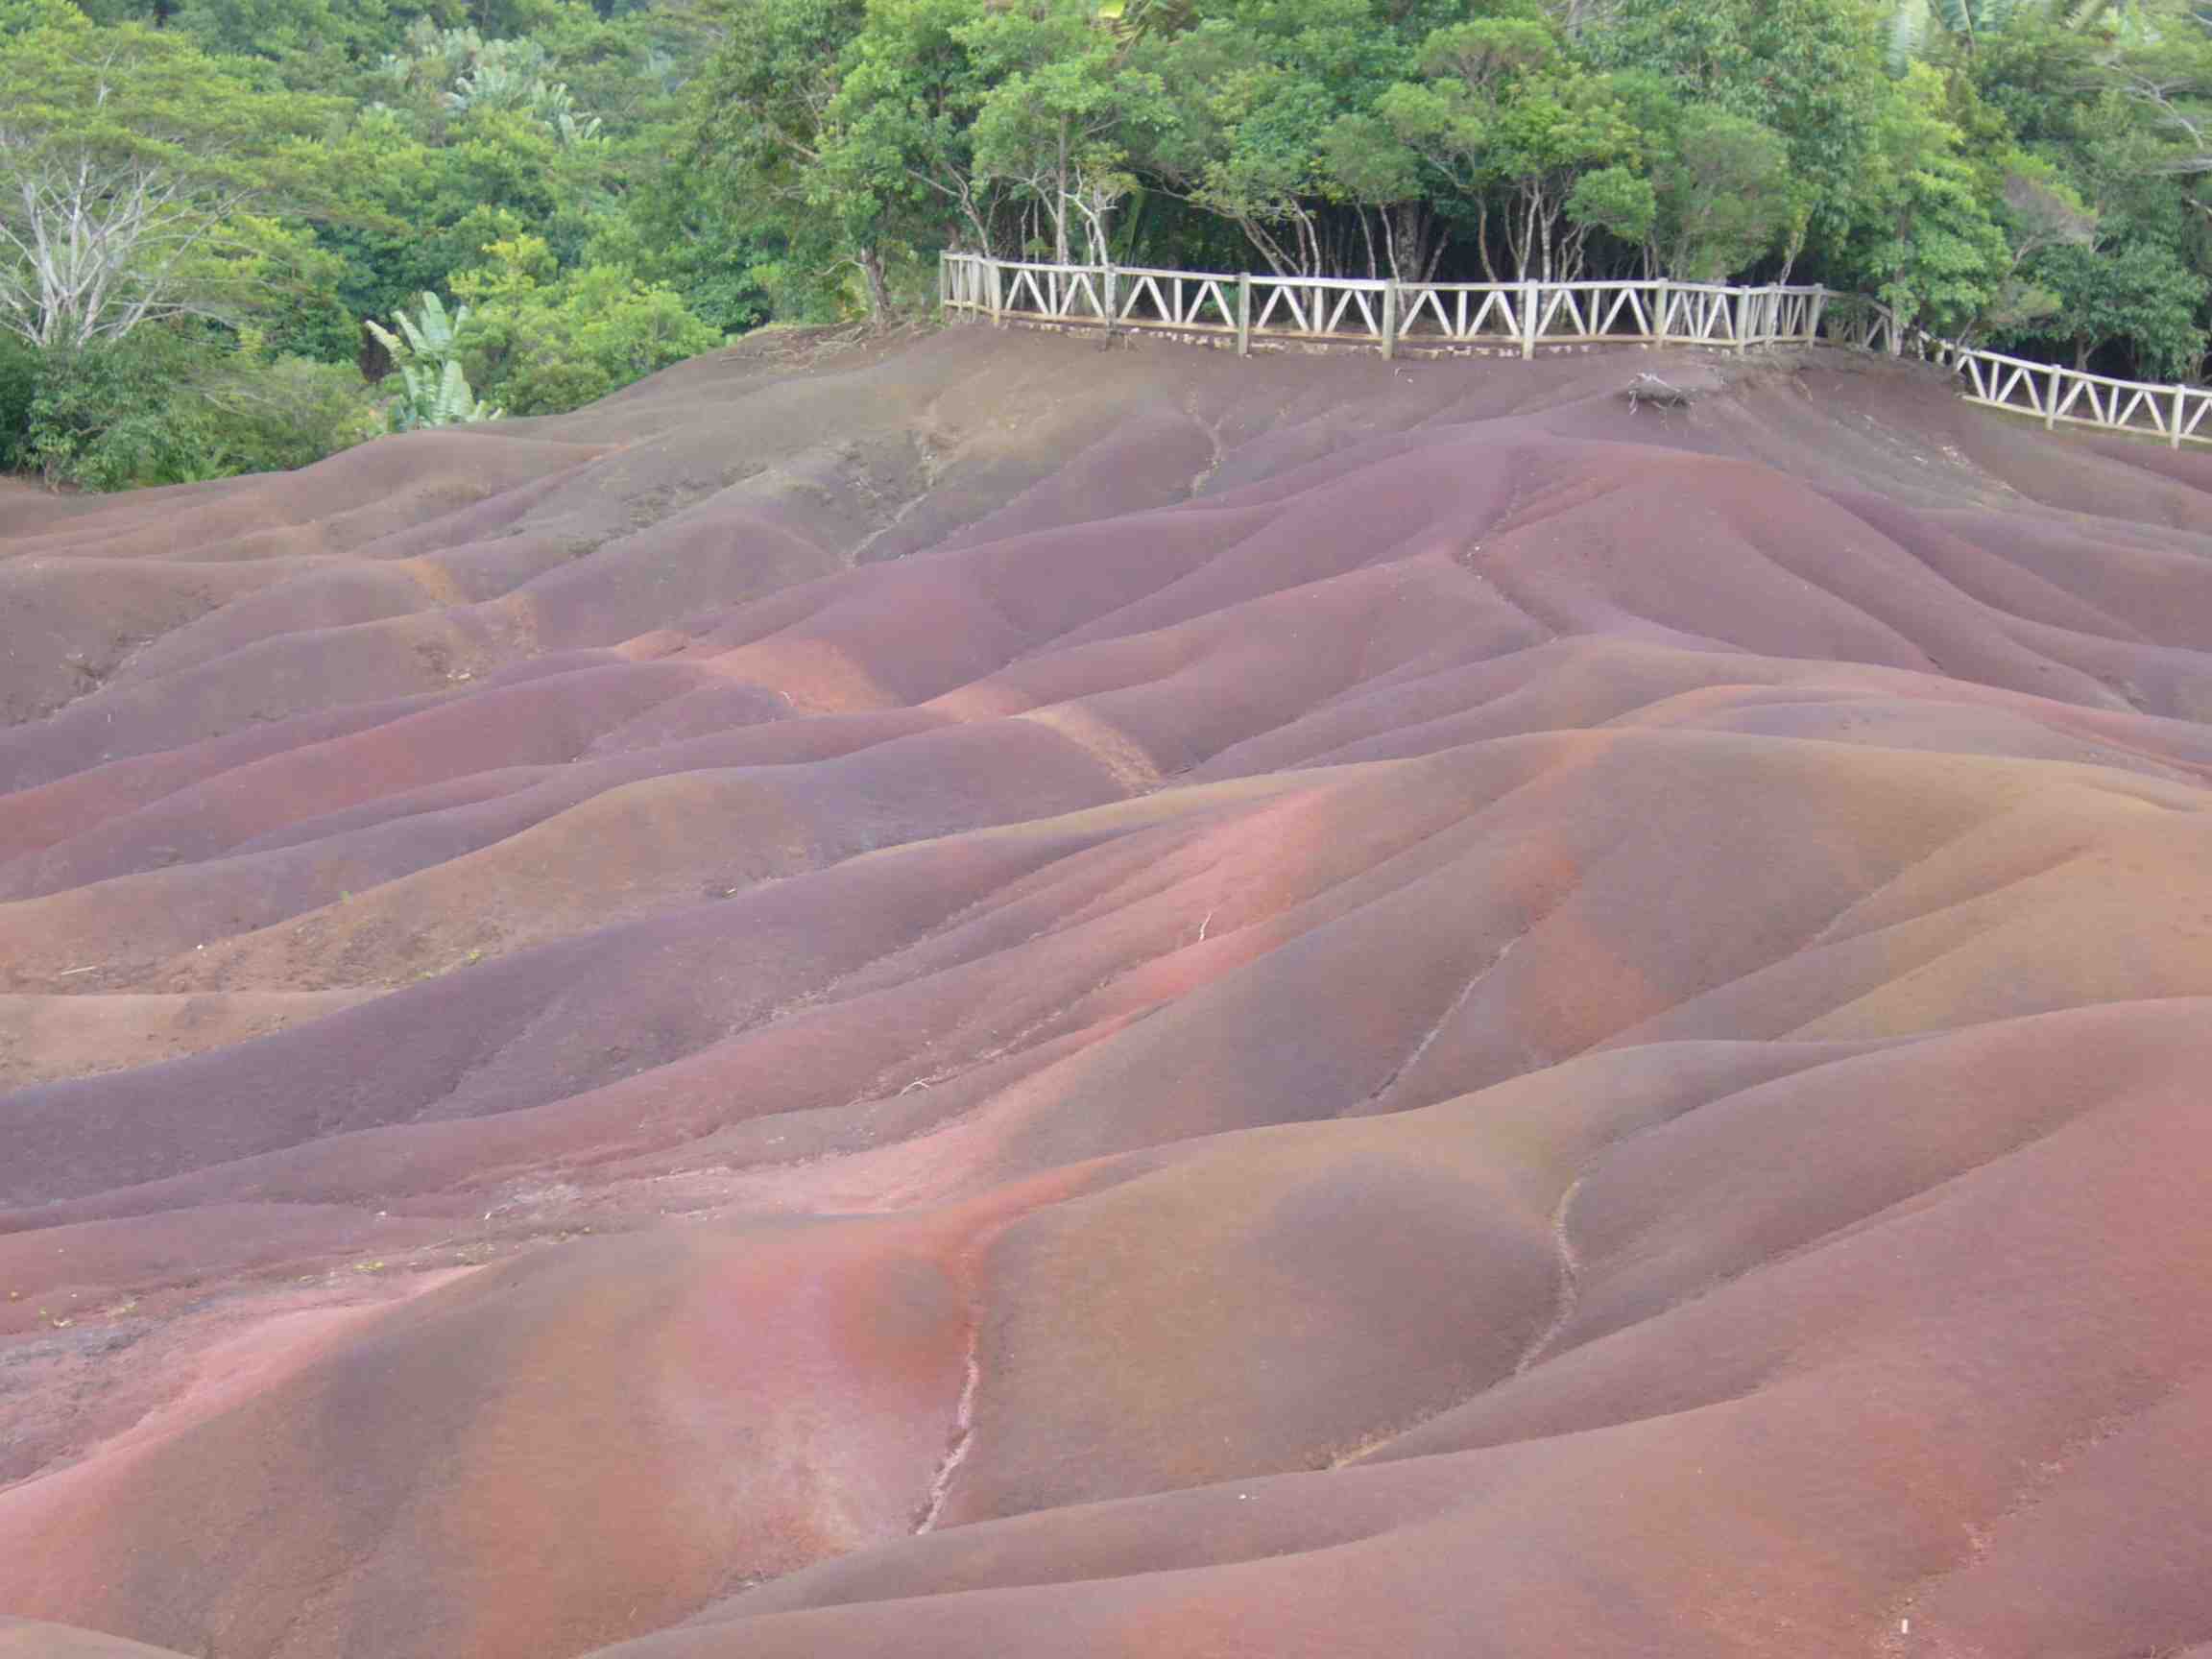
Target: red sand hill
986 998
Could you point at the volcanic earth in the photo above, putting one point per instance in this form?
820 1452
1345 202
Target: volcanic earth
981 996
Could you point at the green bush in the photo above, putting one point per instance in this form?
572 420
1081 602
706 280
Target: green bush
178 406
542 341
106 417
287 412
18 387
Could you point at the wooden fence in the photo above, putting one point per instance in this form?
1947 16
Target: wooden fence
1522 317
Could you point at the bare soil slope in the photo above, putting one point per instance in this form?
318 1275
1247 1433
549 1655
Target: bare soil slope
985 996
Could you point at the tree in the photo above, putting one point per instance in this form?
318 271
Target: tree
542 340
410 210
1365 163
1274 126
1724 194
760 130
1503 107
18 17
2138 295
1056 123
897 161
136 176
1916 25
1809 71
1245 143
443 74
2170 79
278 29
1925 238
2039 212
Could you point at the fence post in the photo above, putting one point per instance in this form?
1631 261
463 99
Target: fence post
997 294
1663 302
2173 430
2051 403
1111 296
1390 319
1243 313
1529 323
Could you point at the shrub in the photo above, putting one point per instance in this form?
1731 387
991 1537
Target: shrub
542 341
18 387
176 406
288 412
110 416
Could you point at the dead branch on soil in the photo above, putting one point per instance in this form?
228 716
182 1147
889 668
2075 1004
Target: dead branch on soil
1663 394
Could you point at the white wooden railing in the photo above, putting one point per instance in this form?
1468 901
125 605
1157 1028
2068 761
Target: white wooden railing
1525 316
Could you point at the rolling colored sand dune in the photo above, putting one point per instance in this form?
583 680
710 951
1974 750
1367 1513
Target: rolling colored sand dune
986 998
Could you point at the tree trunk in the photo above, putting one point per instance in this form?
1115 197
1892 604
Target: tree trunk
1060 202
1418 234
878 289
1794 247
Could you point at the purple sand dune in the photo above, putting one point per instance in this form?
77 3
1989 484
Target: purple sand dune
981 996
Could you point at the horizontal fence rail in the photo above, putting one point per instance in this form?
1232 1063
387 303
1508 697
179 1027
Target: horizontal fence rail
1525 317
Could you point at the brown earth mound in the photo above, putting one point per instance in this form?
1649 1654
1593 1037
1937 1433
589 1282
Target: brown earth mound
983 997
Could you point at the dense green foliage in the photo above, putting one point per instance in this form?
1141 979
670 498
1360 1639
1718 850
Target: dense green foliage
175 405
263 179
2021 171
597 188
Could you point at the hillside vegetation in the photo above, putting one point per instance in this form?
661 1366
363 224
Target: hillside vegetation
204 201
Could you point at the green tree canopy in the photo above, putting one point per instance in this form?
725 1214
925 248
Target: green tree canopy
141 179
